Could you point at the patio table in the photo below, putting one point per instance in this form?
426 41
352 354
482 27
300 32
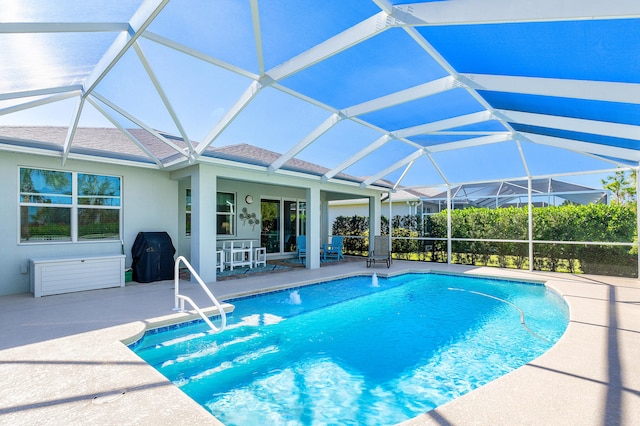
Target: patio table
238 253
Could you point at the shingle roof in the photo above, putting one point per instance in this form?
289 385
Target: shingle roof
111 141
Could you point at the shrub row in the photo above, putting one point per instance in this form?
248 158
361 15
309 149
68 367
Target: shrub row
588 223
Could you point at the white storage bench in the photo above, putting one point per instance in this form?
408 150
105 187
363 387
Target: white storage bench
57 275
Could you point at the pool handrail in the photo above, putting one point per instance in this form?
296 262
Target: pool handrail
180 298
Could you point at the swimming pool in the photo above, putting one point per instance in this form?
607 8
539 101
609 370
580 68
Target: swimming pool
358 350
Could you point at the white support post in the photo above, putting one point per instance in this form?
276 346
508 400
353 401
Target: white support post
203 224
313 228
530 221
638 218
390 221
325 229
449 248
375 210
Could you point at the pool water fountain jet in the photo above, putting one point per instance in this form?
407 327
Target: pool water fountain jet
294 298
374 280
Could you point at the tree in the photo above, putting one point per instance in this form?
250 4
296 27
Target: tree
622 185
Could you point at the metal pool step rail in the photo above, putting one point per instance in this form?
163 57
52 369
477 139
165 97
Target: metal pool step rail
181 298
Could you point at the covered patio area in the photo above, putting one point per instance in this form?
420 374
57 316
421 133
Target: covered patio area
62 359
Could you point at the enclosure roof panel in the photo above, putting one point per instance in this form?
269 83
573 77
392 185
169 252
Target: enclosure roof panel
409 92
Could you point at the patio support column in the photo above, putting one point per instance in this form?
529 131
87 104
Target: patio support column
313 228
530 221
449 248
375 214
325 228
203 222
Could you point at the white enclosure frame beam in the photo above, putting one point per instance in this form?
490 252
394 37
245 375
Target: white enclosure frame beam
308 140
404 173
408 159
162 94
604 128
39 102
581 147
468 143
257 34
138 122
530 220
244 100
449 123
197 55
124 131
411 94
75 89
437 167
638 220
62 27
460 12
563 88
143 17
71 131
523 158
449 234
346 39
357 157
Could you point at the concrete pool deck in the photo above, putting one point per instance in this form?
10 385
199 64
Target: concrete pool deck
62 360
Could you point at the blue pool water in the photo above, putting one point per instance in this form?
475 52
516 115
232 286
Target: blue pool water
354 351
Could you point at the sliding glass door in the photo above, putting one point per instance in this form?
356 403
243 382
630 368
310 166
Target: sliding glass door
282 221
270 235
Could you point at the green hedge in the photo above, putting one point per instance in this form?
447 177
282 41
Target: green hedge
350 226
590 223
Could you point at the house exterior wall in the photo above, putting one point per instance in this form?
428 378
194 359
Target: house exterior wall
339 209
241 189
149 203
151 200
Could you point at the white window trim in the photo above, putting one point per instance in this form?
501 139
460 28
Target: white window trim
233 215
74 206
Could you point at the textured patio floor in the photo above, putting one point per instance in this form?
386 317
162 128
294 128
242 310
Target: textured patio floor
62 360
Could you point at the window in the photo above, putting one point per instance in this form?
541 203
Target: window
68 206
225 213
187 218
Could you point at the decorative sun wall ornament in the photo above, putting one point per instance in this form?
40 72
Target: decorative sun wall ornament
250 218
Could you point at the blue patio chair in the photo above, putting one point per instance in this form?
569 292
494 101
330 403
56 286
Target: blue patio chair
333 249
301 244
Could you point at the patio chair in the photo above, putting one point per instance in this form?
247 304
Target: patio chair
259 257
381 251
333 249
301 244
220 260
